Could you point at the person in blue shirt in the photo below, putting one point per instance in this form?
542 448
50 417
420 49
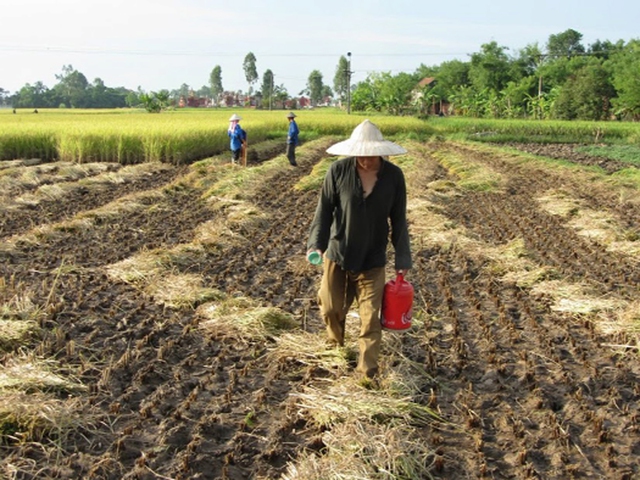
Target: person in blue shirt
292 139
238 137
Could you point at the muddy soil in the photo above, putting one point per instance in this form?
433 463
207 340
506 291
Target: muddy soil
570 152
538 393
595 199
526 391
22 218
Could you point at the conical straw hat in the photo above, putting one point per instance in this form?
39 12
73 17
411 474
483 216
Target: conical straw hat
366 141
235 117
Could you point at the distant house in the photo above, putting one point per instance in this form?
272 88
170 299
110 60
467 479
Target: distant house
193 101
299 102
239 99
231 99
433 106
304 102
427 82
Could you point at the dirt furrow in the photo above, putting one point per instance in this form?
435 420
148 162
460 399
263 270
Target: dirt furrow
529 182
526 392
111 239
271 266
20 220
151 370
19 177
497 218
222 402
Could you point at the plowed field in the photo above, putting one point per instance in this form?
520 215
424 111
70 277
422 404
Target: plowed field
526 324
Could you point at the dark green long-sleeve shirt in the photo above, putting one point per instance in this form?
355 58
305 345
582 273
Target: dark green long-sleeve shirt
353 231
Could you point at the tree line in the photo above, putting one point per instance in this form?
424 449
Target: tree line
565 80
73 90
562 80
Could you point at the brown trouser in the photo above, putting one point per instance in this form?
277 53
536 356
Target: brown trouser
338 289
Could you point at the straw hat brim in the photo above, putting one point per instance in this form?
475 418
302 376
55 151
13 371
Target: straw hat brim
366 149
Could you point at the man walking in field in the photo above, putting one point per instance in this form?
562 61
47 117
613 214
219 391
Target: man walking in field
361 197
292 139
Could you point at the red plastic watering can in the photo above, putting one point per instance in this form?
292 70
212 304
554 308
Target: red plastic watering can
397 304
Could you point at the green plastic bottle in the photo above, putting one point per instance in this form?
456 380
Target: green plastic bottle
314 257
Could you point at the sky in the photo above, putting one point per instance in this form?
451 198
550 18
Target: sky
163 44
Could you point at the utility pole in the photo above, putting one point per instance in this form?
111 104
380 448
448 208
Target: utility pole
348 73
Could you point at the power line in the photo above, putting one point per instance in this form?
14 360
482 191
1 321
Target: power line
117 51
110 51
